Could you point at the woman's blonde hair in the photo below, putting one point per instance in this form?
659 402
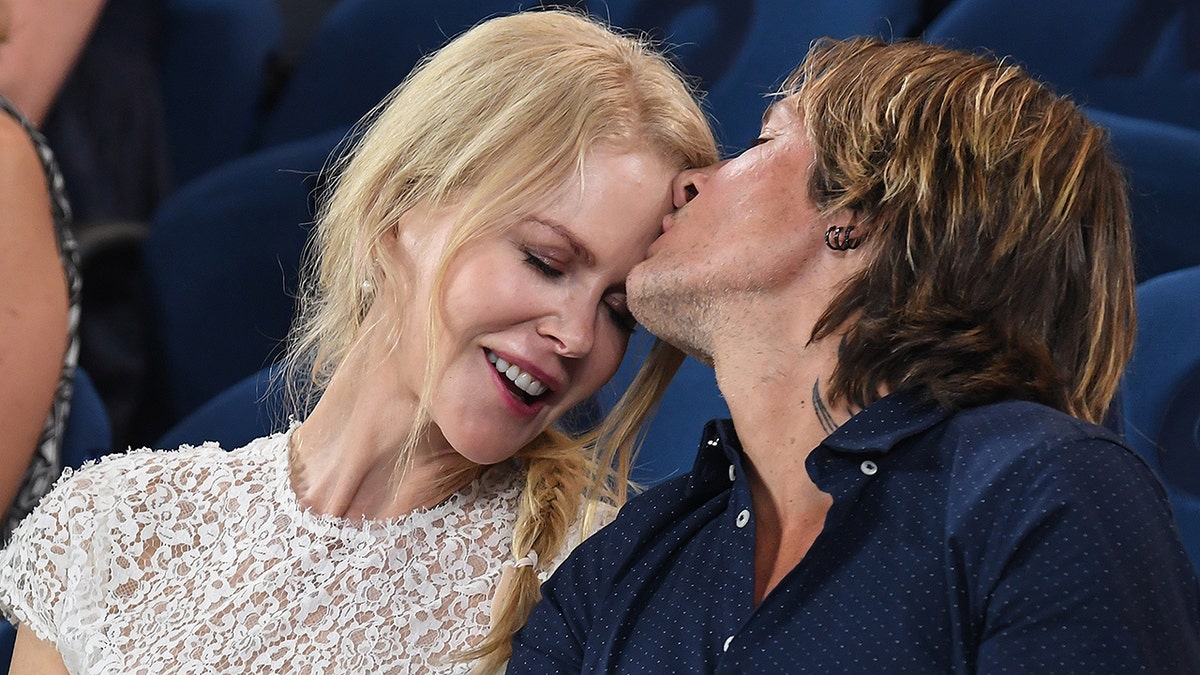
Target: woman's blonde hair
501 117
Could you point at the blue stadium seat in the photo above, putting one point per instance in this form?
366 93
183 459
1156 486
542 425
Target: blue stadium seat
1134 57
361 51
250 409
222 259
742 51
88 435
1161 392
1163 165
1179 454
692 399
214 68
8 636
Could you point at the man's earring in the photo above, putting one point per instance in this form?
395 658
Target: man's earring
839 239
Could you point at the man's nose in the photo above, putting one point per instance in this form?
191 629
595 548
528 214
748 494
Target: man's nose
689 183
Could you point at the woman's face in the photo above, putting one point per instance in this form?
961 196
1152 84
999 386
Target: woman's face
534 318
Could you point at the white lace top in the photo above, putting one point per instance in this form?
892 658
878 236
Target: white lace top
202 561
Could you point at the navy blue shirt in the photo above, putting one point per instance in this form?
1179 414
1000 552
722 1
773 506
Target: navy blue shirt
1008 537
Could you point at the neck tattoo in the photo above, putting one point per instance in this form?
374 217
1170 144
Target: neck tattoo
822 412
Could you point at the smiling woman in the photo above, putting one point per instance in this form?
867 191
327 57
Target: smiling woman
466 289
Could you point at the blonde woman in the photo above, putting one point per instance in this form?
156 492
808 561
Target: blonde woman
467 289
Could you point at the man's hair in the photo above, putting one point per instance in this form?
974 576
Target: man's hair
1000 256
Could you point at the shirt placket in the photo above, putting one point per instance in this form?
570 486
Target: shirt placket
844 477
738 521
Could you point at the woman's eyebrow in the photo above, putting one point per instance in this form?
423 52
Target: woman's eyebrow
567 236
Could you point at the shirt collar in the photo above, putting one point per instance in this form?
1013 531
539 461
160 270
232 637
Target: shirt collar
877 429
719 448
883 424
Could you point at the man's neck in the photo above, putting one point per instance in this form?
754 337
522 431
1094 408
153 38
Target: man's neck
776 396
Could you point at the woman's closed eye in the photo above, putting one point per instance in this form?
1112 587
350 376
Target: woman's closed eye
618 309
542 264
614 303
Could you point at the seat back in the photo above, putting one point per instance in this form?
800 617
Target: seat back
1166 351
1161 393
1179 455
222 261
88 434
214 66
1134 57
361 51
1162 162
741 51
692 398
249 409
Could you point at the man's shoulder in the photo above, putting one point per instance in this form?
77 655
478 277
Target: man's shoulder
639 523
651 510
1023 454
1024 433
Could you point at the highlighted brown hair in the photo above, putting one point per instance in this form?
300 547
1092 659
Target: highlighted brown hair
1000 255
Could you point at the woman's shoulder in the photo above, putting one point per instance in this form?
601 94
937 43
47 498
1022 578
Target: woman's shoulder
110 502
14 137
136 474
19 159
21 145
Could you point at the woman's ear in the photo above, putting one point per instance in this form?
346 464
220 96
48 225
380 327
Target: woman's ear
410 250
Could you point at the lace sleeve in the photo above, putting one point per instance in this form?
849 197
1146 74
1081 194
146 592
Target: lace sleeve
49 576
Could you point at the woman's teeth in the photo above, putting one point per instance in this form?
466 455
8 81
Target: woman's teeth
524 381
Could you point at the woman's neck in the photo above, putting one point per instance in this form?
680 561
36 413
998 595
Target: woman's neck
345 457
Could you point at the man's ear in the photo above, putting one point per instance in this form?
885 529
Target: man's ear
845 230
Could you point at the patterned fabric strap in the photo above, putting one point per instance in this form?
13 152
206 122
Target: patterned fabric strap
46 465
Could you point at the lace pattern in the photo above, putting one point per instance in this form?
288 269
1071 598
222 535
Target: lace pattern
199 560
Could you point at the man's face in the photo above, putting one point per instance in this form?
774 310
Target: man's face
744 229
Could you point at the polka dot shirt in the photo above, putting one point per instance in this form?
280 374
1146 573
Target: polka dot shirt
1004 538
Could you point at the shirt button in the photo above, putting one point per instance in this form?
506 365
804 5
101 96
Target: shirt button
727 641
868 467
743 518
732 474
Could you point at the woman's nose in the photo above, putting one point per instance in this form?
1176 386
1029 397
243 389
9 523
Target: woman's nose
572 329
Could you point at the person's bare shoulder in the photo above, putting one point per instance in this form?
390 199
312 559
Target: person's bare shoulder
21 176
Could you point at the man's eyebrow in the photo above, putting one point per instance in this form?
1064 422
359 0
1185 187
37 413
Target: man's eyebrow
561 230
